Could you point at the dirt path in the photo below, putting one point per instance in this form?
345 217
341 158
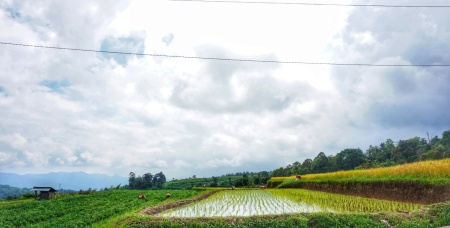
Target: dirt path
159 208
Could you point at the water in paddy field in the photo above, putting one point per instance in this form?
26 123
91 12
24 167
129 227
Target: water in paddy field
242 203
281 201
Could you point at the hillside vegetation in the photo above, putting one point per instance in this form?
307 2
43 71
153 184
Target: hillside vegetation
421 182
386 154
437 172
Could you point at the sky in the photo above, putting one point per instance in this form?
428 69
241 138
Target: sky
65 111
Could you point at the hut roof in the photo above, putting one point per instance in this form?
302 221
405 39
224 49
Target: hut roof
43 189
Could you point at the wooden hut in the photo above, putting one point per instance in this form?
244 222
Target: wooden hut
45 193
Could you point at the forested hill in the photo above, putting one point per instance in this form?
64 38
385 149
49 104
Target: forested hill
387 153
9 192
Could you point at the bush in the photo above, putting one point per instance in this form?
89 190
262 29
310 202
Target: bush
28 196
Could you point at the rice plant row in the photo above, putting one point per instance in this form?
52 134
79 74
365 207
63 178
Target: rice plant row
343 203
240 203
437 171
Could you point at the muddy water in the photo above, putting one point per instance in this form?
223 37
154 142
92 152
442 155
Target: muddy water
242 203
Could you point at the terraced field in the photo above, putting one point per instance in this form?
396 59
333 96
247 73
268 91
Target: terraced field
282 201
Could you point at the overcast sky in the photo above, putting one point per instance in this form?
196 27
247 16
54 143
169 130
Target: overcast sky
106 113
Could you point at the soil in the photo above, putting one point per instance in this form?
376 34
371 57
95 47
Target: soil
160 208
403 191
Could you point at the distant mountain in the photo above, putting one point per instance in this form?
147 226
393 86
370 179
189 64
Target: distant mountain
65 180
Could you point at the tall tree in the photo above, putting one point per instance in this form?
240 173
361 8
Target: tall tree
296 168
409 150
214 182
245 180
320 163
445 141
280 172
332 167
158 180
349 159
131 179
147 180
306 166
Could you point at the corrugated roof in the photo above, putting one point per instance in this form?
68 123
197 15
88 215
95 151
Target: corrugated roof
43 189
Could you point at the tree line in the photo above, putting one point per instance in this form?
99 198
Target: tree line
146 181
388 153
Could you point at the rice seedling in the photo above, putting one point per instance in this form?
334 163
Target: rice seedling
240 203
282 201
342 203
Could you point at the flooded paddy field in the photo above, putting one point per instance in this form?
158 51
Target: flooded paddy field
281 201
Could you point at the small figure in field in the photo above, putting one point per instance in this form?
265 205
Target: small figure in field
262 187
298 177
142 196
232 187
167 195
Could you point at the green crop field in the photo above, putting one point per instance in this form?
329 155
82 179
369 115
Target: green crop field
291 208
82 210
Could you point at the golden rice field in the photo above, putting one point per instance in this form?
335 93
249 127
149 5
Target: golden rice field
429 171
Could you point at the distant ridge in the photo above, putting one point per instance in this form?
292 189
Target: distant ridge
65 180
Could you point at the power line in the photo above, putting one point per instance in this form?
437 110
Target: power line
228 59
314 4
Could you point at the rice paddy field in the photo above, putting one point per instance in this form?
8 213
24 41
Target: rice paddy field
282 201
405 188
225 208
291 208
424 182
241 203
436 172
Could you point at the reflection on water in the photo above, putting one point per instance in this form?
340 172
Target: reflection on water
343 203
242 203
281 201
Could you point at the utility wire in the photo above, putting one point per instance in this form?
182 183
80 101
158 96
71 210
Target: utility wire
314 4
228 59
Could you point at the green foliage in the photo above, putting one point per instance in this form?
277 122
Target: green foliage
306 167
409 150
434 154
320 163
147 181
348 159
82 210
445 141
386 154
9 192
246 179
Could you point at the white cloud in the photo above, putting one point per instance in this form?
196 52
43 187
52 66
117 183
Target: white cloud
68 110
